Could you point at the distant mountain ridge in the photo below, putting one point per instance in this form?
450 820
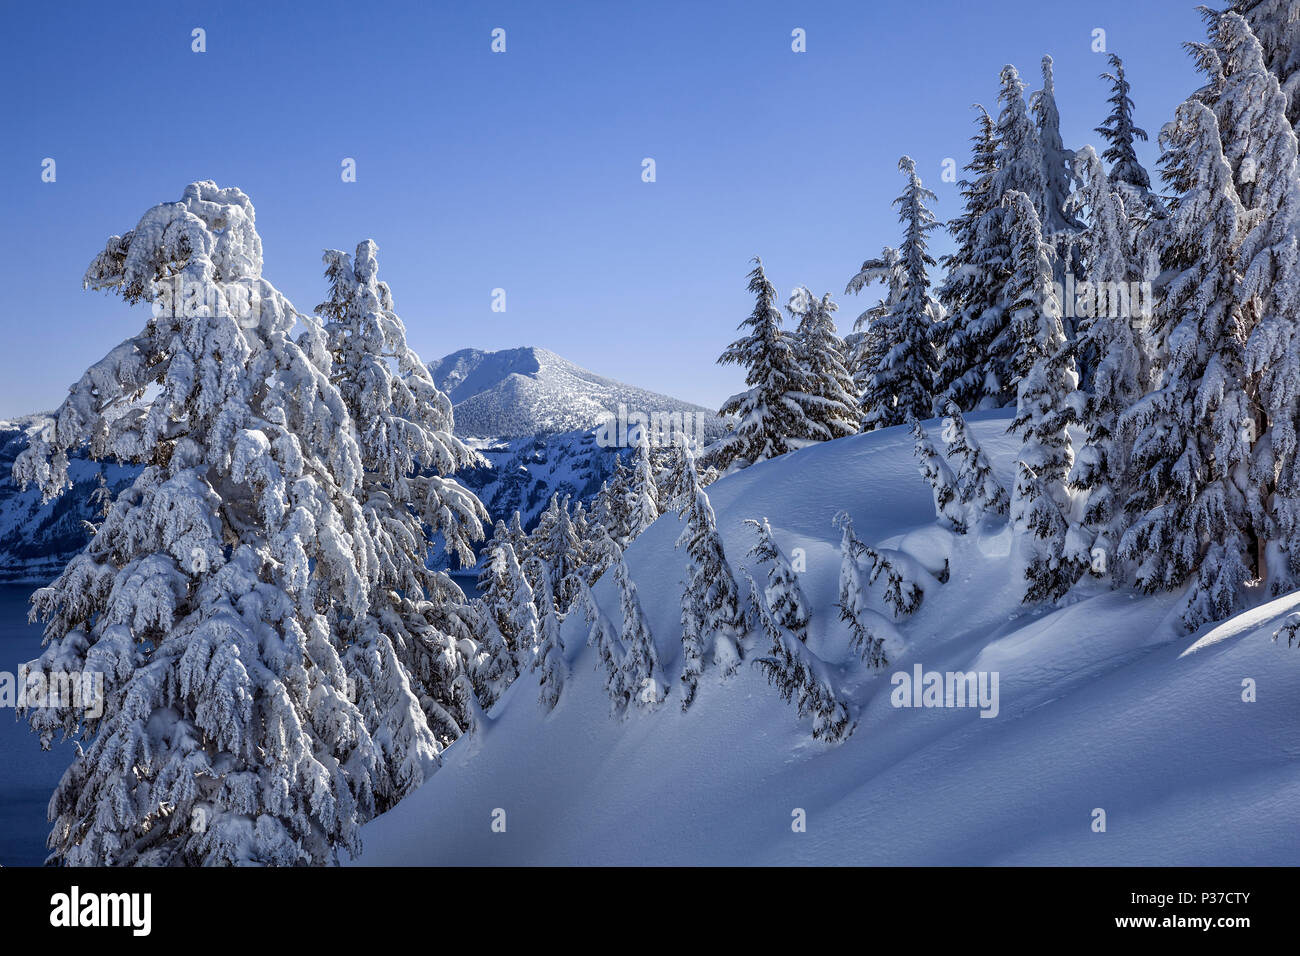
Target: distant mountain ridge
532 414
521 392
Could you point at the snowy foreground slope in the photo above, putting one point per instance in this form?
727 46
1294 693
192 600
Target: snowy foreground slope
1102 704
526 391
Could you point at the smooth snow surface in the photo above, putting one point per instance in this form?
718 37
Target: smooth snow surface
1103 704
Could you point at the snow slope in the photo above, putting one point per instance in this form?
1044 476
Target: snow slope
1102 704
527 391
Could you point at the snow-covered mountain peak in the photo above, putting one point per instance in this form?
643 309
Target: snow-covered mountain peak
526 391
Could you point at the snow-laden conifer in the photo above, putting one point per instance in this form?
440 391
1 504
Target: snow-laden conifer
1057 160
785 599
770 416
209 596
978 487
710 597
409 497
555 542
1269 260
1127 173
798 676
1046 382
975 341
1122 363
904 373
603 638
643 503
1277 25
641 673
866 344
830 399
935 470
1019 158
550 646
1191 506
610 506
508 623
870 631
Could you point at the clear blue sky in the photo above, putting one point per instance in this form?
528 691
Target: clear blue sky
521 170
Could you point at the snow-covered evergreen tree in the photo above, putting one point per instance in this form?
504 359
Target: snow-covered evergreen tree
493 587
1290 627
975 340
643 496
1238 91
934 469
604 639
1057 159
785 599
595 556
902 591
1057 220
798 676
550 645
831 404
1190 511
610 506
584 531
1120 132
640 664
770 414
906 363
1213 506
403 421
518 539
869 629
1122 366
1041 533
1018 161
498 536
555 542
678 489
599 516
581 524
1045 371
1269 260
866 344
1046 381
208 597
508 622
404 428
1276 23
694 646
710 597
382 689
978 487
522 614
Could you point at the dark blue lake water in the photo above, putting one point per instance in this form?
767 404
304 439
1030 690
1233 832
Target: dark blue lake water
27 774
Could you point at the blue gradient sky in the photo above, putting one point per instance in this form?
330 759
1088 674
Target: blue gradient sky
522 170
